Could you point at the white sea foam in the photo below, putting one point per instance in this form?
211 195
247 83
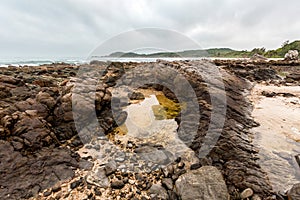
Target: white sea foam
5 62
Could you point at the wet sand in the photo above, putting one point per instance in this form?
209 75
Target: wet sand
278 135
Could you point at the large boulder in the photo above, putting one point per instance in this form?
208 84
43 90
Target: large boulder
32 104
46 99
34 132
292 55
204 183
10 80
4 92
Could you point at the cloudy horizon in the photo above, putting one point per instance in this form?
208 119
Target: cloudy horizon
74 28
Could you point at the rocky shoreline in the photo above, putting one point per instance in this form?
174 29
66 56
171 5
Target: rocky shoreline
40 143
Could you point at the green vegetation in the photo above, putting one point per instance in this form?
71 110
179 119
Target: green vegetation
282 74
286 46
217 52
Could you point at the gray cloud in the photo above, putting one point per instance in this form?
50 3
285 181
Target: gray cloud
76 27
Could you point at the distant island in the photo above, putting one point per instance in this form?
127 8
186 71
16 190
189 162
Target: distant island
216 52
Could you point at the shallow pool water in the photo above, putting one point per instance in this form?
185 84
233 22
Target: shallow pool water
146 119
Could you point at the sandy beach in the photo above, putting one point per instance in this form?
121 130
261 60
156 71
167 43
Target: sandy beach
278 135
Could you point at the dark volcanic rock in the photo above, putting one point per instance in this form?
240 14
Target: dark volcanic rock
75 184
136 96
28 130
10 80
31 160
117 184
4 92
42 82
269 94
265 74
46 99
21 175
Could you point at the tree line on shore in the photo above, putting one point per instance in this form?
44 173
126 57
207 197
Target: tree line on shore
218 52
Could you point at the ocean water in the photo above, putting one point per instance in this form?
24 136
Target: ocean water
42 61
4 62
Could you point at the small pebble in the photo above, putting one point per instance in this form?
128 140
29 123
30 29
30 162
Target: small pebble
195 166
180 165
131 181
117 184
75 184
97 191
178 160
47 193
56 189
246 193
129 145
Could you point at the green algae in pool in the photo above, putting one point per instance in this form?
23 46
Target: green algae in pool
167 109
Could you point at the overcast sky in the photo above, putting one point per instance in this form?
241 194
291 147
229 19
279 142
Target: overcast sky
41 28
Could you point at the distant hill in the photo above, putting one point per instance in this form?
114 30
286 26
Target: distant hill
280 52
216 52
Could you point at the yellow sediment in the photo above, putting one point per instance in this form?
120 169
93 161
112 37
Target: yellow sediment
167 109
